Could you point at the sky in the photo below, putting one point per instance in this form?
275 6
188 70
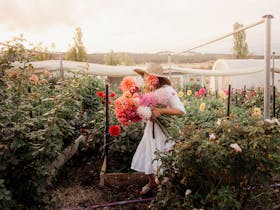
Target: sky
138 25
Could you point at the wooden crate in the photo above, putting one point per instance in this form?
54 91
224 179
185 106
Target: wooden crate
120 179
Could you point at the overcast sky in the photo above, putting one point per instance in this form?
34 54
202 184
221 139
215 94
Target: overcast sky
138 25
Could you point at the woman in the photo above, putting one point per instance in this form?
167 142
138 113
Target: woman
153 140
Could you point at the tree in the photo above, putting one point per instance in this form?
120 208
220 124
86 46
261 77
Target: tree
44 55
78 51
240 46
113 59
127 60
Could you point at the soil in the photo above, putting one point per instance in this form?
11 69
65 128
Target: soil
77 187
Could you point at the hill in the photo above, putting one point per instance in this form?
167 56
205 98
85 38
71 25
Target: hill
140 58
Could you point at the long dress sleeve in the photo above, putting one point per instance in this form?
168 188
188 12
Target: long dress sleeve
173 99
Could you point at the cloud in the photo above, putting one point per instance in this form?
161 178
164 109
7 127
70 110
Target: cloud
34 14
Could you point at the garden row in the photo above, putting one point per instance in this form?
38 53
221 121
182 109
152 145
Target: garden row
217 162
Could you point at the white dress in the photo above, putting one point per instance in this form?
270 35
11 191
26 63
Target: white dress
143 158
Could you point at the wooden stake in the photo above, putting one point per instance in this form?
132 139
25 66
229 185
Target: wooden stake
228 104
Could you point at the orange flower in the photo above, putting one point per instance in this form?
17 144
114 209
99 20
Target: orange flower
127 83
127 94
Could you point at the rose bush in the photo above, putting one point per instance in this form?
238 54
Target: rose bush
40 115
228 165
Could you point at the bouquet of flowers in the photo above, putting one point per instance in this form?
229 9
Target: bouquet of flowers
157 99
133 107
126 105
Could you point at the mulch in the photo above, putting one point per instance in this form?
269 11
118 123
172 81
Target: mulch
77 187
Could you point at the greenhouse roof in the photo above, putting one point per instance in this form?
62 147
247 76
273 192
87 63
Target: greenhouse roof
229 67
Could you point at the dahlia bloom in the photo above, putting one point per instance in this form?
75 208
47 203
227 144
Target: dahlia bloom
129 84
114 130
144 112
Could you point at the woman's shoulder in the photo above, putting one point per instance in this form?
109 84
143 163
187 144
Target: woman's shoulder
169 89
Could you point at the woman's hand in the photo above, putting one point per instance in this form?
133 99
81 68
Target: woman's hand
156 112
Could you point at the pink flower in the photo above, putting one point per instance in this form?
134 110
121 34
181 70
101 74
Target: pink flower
34 78
202 91
47 73
44 81
162 96
236 147
149 99
226 92
196 94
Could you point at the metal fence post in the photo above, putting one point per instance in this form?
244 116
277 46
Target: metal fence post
267 55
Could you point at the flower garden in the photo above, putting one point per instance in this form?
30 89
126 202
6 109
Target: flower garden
218 161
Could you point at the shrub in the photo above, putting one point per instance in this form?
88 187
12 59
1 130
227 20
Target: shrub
207 170
36 124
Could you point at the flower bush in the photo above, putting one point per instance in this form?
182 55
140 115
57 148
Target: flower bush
40 115
228 165
36 124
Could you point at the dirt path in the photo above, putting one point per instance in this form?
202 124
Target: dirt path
77 186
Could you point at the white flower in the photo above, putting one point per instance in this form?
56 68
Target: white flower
144 112
188 191
212 136
219 121
236 147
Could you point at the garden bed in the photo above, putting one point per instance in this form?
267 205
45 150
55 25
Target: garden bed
77 185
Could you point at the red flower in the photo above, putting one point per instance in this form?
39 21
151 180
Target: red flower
114 130
100 94
112 95
109 102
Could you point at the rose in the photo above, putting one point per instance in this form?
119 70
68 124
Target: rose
202 91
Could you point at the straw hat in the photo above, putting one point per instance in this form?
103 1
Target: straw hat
153 69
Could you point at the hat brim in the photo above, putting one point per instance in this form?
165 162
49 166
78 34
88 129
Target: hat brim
141 72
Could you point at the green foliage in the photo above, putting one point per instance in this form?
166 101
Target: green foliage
123 147
218 176
240 46
5 196
77 52
45 55
39 117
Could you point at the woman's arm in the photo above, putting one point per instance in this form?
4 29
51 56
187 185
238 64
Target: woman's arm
156 112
